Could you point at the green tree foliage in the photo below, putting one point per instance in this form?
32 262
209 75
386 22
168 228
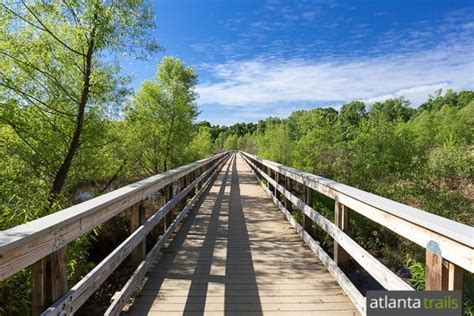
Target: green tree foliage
393 110
201 144
160 118
231 142
275 143
380 152
350 116
315 140
56 88
59 93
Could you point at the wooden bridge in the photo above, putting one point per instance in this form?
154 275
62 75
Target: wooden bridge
235 237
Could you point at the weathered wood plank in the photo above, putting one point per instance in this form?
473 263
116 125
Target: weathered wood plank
455 277
249 307
137 218
341 219
308 199
288 204
37 287
434 271
248 313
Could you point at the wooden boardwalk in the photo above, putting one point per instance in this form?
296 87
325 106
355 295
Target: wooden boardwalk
236 254
239 250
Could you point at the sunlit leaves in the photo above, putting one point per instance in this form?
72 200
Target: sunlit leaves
160 118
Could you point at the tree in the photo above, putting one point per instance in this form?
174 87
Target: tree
201 145
55 84
349 118
315 149
231 142
160 117
275 143
393 110
380 153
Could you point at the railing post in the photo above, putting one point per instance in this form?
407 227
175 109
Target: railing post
288 204
166 198
269 173
307 223
58 270
49 280
192 176
38 301
275 190
435 271
169 194
190 179
455 277
182 185
196 174
440 274
137 218
341 219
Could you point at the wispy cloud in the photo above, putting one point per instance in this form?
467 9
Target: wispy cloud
259 83
411 61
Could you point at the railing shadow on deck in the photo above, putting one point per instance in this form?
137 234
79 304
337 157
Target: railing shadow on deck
238 251
169 255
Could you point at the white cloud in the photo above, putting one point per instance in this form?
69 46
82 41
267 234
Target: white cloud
259 83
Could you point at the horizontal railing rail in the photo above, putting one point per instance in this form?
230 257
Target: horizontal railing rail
41 244
120 298
449 244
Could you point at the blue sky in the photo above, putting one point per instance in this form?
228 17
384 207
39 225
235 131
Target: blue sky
260 58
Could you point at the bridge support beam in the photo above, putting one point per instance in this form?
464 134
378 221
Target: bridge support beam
440 274
271 175
288 187
307 222
168 196
49 280
275 190
341 219
137 218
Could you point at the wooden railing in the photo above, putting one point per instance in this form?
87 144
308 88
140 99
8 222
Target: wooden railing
449 244
42 244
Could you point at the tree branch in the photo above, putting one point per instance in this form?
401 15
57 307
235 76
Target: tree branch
47 30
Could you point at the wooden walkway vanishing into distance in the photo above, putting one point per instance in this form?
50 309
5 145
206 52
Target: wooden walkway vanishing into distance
236 254
231 234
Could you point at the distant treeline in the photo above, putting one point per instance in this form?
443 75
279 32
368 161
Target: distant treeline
421 156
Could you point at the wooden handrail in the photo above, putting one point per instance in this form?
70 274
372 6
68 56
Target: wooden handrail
442 238
22 245
121 298
41 243
446 232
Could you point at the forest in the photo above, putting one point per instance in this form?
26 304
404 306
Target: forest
72 129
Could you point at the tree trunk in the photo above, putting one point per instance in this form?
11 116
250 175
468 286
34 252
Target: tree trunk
168 142
61 175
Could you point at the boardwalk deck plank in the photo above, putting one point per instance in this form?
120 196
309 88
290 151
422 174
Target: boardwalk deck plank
237 255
